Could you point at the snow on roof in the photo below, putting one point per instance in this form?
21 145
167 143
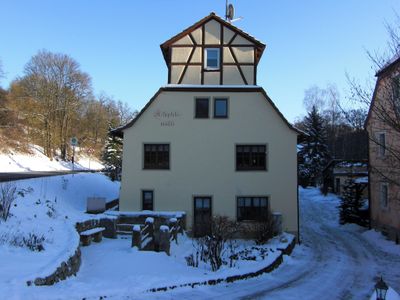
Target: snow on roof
390 62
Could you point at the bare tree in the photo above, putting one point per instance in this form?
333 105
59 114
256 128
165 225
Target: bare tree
56 84
383 101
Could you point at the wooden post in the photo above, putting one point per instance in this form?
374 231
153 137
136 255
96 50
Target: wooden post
164 239
136 237
173 224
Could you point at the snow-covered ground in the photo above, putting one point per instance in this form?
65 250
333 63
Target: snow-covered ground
37 161
49 209
333 262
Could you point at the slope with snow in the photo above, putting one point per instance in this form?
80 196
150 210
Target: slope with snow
22 162
48 210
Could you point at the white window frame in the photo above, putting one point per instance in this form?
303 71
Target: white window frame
383 202
218 59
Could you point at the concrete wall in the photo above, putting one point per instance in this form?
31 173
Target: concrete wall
202 156
212 38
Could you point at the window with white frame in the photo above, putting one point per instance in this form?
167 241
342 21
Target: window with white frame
384 194
381 144
211 61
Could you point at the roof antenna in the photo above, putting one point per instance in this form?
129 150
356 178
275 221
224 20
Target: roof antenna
230 12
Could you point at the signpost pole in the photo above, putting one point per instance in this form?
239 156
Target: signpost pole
73 142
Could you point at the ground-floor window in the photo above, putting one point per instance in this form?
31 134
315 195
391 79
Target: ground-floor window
147 200
384 194
252 208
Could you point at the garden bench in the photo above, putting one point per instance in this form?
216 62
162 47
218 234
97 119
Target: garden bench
87 235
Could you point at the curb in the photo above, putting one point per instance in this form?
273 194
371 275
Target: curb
285 251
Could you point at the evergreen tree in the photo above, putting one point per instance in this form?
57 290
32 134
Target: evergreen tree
112 156
351 203
313 154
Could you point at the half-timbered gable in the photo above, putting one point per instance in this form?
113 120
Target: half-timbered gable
212 52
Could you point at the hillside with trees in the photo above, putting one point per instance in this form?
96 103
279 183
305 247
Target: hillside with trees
52 101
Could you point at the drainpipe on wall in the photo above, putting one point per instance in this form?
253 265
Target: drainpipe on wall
298 204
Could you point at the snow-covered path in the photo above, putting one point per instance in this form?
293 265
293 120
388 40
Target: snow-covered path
333 262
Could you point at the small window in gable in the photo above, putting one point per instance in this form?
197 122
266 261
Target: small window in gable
201 108
396 94
211 58
220 107
382 144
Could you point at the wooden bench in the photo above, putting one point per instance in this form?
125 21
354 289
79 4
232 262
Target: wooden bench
87 235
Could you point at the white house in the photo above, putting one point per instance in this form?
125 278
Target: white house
211 142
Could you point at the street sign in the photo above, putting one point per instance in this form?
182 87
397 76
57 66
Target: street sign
74 141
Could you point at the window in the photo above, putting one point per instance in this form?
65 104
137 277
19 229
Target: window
147 200
251 157
252 208
220 108
156 156
212 58
396 94
384 195
382 144
201 108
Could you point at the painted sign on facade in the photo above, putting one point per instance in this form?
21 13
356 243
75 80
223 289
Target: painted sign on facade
167 118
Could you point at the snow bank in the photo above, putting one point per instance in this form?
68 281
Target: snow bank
379 241
37 161
48 212
391 295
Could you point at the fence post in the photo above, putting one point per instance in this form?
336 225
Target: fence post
173 224
136 237
164 239
149 224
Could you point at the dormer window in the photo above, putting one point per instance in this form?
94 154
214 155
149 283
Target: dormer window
211 58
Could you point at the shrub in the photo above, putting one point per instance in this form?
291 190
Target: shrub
32 241
8 194
214 248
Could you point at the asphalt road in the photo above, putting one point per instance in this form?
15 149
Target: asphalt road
11 176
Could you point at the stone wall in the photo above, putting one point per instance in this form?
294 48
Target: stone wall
65 270
275 264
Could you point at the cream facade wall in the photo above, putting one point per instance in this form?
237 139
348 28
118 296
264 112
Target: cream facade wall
202 156
237 57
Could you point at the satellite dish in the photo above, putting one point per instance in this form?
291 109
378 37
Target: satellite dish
230 12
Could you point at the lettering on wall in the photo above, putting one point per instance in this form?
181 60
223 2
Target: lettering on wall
166 118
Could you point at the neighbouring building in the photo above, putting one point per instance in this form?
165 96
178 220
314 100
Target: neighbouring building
211 142
338 171
383 126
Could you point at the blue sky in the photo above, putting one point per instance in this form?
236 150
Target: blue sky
309 42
